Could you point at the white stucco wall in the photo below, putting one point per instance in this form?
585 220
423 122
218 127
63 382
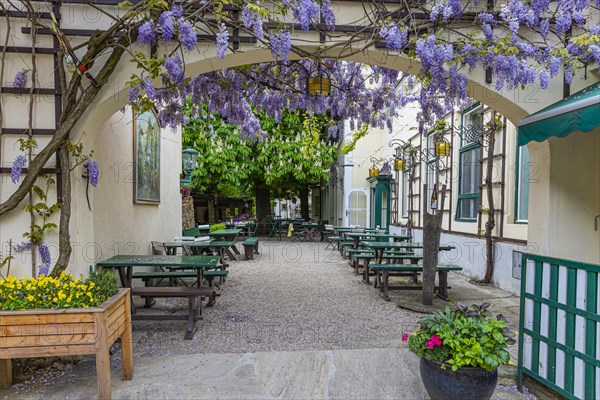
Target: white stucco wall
566 197
120 225
115 225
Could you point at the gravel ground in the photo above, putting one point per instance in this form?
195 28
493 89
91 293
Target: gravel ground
292 297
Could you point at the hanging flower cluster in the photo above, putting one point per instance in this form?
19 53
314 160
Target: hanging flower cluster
93 172
495 43
17 168
20 80
44 267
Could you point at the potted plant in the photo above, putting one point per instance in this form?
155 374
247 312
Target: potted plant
47 316
461 351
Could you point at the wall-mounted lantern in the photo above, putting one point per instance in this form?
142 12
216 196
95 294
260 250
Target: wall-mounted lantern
442 148
189 159
399 164
318 83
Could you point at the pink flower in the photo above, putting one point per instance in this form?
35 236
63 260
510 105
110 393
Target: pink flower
430 344
405 337
435 339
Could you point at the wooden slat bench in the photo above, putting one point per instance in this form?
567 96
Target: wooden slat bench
250 247
193 294
393 259
383 273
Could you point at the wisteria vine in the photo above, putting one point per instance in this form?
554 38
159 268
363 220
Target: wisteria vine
373 96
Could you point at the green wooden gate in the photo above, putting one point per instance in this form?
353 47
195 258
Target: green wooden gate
559 326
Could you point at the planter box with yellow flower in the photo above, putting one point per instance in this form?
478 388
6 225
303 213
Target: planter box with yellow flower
64 316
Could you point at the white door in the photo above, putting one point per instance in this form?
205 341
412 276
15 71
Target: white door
357 208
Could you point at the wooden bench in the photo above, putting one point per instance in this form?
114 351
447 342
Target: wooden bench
413 258
193 294
383 273
250 247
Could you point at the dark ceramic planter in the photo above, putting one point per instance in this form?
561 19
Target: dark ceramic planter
463 384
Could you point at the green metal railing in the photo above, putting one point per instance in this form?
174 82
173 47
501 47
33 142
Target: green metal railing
559 326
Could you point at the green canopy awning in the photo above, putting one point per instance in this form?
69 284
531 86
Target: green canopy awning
579 112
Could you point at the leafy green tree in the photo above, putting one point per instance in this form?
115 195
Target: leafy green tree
295 154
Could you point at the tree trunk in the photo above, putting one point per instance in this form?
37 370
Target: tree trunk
212 211
263 205
432 228
64 235
491 222
304 204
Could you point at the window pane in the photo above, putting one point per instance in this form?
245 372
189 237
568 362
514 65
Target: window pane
470 171
523 184
404 195
468 208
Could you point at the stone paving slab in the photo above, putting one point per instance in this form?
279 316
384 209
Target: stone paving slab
341 374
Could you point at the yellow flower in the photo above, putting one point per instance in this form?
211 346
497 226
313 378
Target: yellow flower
19 286
30 298
62 295
69 299
92 284
55 300
72 284
28 287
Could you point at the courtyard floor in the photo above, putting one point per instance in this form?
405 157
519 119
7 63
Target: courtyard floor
294 323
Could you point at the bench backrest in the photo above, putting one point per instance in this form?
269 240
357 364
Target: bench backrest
191 232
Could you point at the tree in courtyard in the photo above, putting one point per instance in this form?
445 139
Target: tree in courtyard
295 153
519 43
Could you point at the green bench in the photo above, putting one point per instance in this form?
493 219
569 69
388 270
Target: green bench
394 259
383 271
149 276
250 247
193 294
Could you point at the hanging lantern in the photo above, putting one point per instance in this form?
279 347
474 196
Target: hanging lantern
318 83
70 64
399 164
373 171
442 148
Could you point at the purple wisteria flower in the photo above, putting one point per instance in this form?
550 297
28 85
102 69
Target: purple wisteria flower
174 68
187 35
166 24
251 20
305 12
17 167
93 172
395 38
134 92
20 79
44 267
328 15
222 41
147 33
149 88
21 247
281 45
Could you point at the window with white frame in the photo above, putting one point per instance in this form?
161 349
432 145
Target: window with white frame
469 168
522 184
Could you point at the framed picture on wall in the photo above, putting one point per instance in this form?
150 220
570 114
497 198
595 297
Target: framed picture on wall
146 158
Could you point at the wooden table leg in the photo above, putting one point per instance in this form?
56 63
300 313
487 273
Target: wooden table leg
127 344
5 373
386 282
191 328
442 292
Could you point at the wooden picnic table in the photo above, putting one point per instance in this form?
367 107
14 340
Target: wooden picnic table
357 237
380 247
222 247
227 235
309 230
125 265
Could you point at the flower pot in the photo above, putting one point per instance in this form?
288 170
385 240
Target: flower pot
464 384
69 331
